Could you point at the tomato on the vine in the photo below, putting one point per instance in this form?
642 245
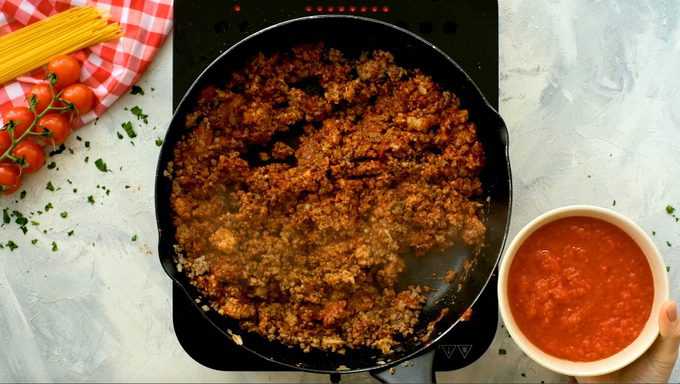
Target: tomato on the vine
5 141
22 118
43 95
80 96
67 70
57 125
32 154
10 177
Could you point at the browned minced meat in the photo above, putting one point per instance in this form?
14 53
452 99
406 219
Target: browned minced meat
302 183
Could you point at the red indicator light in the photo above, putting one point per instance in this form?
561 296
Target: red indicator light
341 8
308 8
237 8
374 9
319 8
330 9
352 9
386 9
363 9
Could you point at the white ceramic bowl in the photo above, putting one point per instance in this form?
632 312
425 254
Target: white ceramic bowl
651 328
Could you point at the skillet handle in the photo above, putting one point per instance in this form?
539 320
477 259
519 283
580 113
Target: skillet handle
417 370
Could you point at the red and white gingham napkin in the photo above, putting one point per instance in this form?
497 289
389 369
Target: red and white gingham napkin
108 68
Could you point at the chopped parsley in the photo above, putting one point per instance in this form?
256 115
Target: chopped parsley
134 237
668 243
75 190
137 111
59 150
101 165
653 233
87 159
51 165
70 233
670 209
668 268
50 186
502 351
48 207
127 127
159 142
614 203
34 241
90 199
79 138
120 137
87 144
54 247
5 216
11 245
22 195
64 215
137 90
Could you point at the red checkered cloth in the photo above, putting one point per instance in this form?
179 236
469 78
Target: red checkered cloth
109 68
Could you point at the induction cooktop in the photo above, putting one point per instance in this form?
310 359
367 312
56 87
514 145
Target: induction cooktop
467 30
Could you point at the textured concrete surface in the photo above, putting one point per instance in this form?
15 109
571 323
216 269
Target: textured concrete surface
589 90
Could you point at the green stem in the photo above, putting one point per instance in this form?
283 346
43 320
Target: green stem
29 130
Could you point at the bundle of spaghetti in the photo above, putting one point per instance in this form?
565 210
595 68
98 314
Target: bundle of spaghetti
34 45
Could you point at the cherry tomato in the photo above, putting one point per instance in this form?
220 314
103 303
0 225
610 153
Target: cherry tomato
67 70
57 125
5 141
79 95
10 178
43 94
32 154
22 117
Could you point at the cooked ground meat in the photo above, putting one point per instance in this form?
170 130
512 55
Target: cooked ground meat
301 184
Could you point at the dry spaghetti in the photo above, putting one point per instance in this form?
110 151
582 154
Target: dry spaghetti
32 46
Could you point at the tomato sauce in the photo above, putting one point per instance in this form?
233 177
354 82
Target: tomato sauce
580 289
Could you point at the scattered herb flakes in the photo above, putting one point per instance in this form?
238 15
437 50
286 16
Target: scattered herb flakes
75 190
614 203
45 231
589 176
5 216
87 144
34 241
35 223
22 195
159 142
153 89
50 186
11 245
90 199
54 247
96 121
87 159
523 374
101 165
668 243
668 268
502 351
64 215
120 137
137 90
70 233
653 233
69 181
127 187
134 237
127 127
51 165
59 150
79 138
139 114
670 209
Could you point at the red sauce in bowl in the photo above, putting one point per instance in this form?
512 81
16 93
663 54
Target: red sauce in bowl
580 289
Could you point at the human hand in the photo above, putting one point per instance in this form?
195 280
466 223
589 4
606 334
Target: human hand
656 364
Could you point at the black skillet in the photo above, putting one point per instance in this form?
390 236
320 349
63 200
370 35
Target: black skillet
353 35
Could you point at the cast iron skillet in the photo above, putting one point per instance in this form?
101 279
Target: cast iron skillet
354 35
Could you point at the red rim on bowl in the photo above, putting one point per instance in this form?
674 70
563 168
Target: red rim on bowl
650 329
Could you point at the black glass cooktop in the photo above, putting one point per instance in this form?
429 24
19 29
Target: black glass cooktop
465 29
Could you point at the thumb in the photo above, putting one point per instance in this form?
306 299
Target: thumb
669 328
